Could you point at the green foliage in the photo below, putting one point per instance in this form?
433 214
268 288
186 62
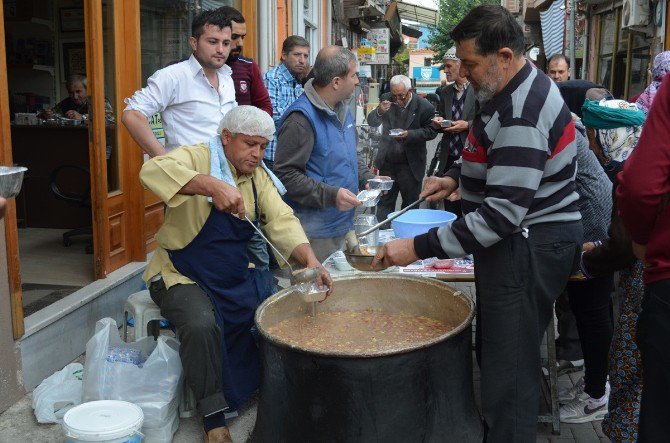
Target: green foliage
451 13
402 59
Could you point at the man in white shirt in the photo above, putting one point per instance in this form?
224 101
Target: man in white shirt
192 96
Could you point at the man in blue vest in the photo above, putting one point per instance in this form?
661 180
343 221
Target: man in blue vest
316 157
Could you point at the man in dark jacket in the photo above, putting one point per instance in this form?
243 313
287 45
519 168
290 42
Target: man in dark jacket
457 104
403 153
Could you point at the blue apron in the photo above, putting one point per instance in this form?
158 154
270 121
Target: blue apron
217 260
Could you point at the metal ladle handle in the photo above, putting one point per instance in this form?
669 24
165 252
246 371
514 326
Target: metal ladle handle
394 216
269 243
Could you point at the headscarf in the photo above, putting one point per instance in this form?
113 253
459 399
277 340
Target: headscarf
610 114
617 125
661 67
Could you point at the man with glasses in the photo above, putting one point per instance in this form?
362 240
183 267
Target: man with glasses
284 83
406 119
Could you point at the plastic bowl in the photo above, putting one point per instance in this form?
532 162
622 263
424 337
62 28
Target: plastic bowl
419 221
11 178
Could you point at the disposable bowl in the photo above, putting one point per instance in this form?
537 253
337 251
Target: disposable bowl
11 178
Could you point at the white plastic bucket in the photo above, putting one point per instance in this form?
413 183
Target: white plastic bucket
109 421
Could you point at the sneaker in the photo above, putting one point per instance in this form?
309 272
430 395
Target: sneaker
566 395
567 366
584 409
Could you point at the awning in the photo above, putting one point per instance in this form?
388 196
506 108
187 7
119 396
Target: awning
415 13
411 32
553 28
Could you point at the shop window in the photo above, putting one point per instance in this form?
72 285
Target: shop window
623 57
640 61
607 39
311 18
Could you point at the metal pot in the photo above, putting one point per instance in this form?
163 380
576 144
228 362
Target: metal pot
419 392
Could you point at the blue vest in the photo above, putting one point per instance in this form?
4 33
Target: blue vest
333 161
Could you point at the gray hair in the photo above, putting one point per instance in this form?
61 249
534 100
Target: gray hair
401 80
331 63
248 120
76 78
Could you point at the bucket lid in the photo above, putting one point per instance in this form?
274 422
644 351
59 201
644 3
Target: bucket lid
103 420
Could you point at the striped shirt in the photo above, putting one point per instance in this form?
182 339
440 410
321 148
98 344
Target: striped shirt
517 168
283 89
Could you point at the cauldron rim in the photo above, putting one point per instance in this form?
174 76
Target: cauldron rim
343 354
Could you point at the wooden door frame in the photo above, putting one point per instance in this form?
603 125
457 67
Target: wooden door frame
122 210
95 72
11 229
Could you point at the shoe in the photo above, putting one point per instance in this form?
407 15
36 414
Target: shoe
219 435
566 395
567 366
584 409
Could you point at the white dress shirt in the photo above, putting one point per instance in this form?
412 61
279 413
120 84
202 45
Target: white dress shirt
190 107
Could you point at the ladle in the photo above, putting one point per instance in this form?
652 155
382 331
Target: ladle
305 275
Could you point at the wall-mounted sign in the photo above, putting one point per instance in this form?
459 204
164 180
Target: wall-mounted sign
378 39
426 74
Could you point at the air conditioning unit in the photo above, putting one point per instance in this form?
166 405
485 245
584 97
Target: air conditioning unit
635 13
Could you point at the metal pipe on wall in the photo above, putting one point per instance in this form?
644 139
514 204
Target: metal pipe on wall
573 40
263 43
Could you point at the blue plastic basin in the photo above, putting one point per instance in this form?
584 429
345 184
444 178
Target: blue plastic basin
418 221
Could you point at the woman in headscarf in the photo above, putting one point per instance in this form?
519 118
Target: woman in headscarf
660 68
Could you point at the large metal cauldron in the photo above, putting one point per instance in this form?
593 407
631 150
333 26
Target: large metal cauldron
412 394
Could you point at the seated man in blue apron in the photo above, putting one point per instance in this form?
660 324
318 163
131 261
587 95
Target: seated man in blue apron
200 276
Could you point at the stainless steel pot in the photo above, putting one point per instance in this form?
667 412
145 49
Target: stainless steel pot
419 392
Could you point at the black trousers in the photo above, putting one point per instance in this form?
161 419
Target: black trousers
568 345
405 183
592 307
653 337
517 281
190 310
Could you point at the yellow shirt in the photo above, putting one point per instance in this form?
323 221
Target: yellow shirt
186 214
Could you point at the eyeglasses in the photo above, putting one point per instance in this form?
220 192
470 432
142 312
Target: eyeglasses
396 98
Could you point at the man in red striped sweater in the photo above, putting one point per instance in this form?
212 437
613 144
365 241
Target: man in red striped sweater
249 86
642 195
520 219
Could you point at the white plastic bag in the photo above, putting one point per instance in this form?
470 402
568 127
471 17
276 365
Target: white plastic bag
58 393
111 373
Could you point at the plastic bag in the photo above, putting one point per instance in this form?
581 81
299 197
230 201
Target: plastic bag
146 372
58 393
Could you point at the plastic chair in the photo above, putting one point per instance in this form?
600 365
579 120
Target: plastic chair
143 310
146 313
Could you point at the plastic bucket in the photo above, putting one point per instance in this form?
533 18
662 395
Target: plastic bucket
419 221
110 421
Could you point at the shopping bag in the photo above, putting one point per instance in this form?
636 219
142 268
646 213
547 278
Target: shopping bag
58 393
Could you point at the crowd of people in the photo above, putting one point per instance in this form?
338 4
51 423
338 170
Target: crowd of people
526 160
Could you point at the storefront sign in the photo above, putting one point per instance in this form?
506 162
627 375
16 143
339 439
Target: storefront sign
366 54
426 74
378 40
